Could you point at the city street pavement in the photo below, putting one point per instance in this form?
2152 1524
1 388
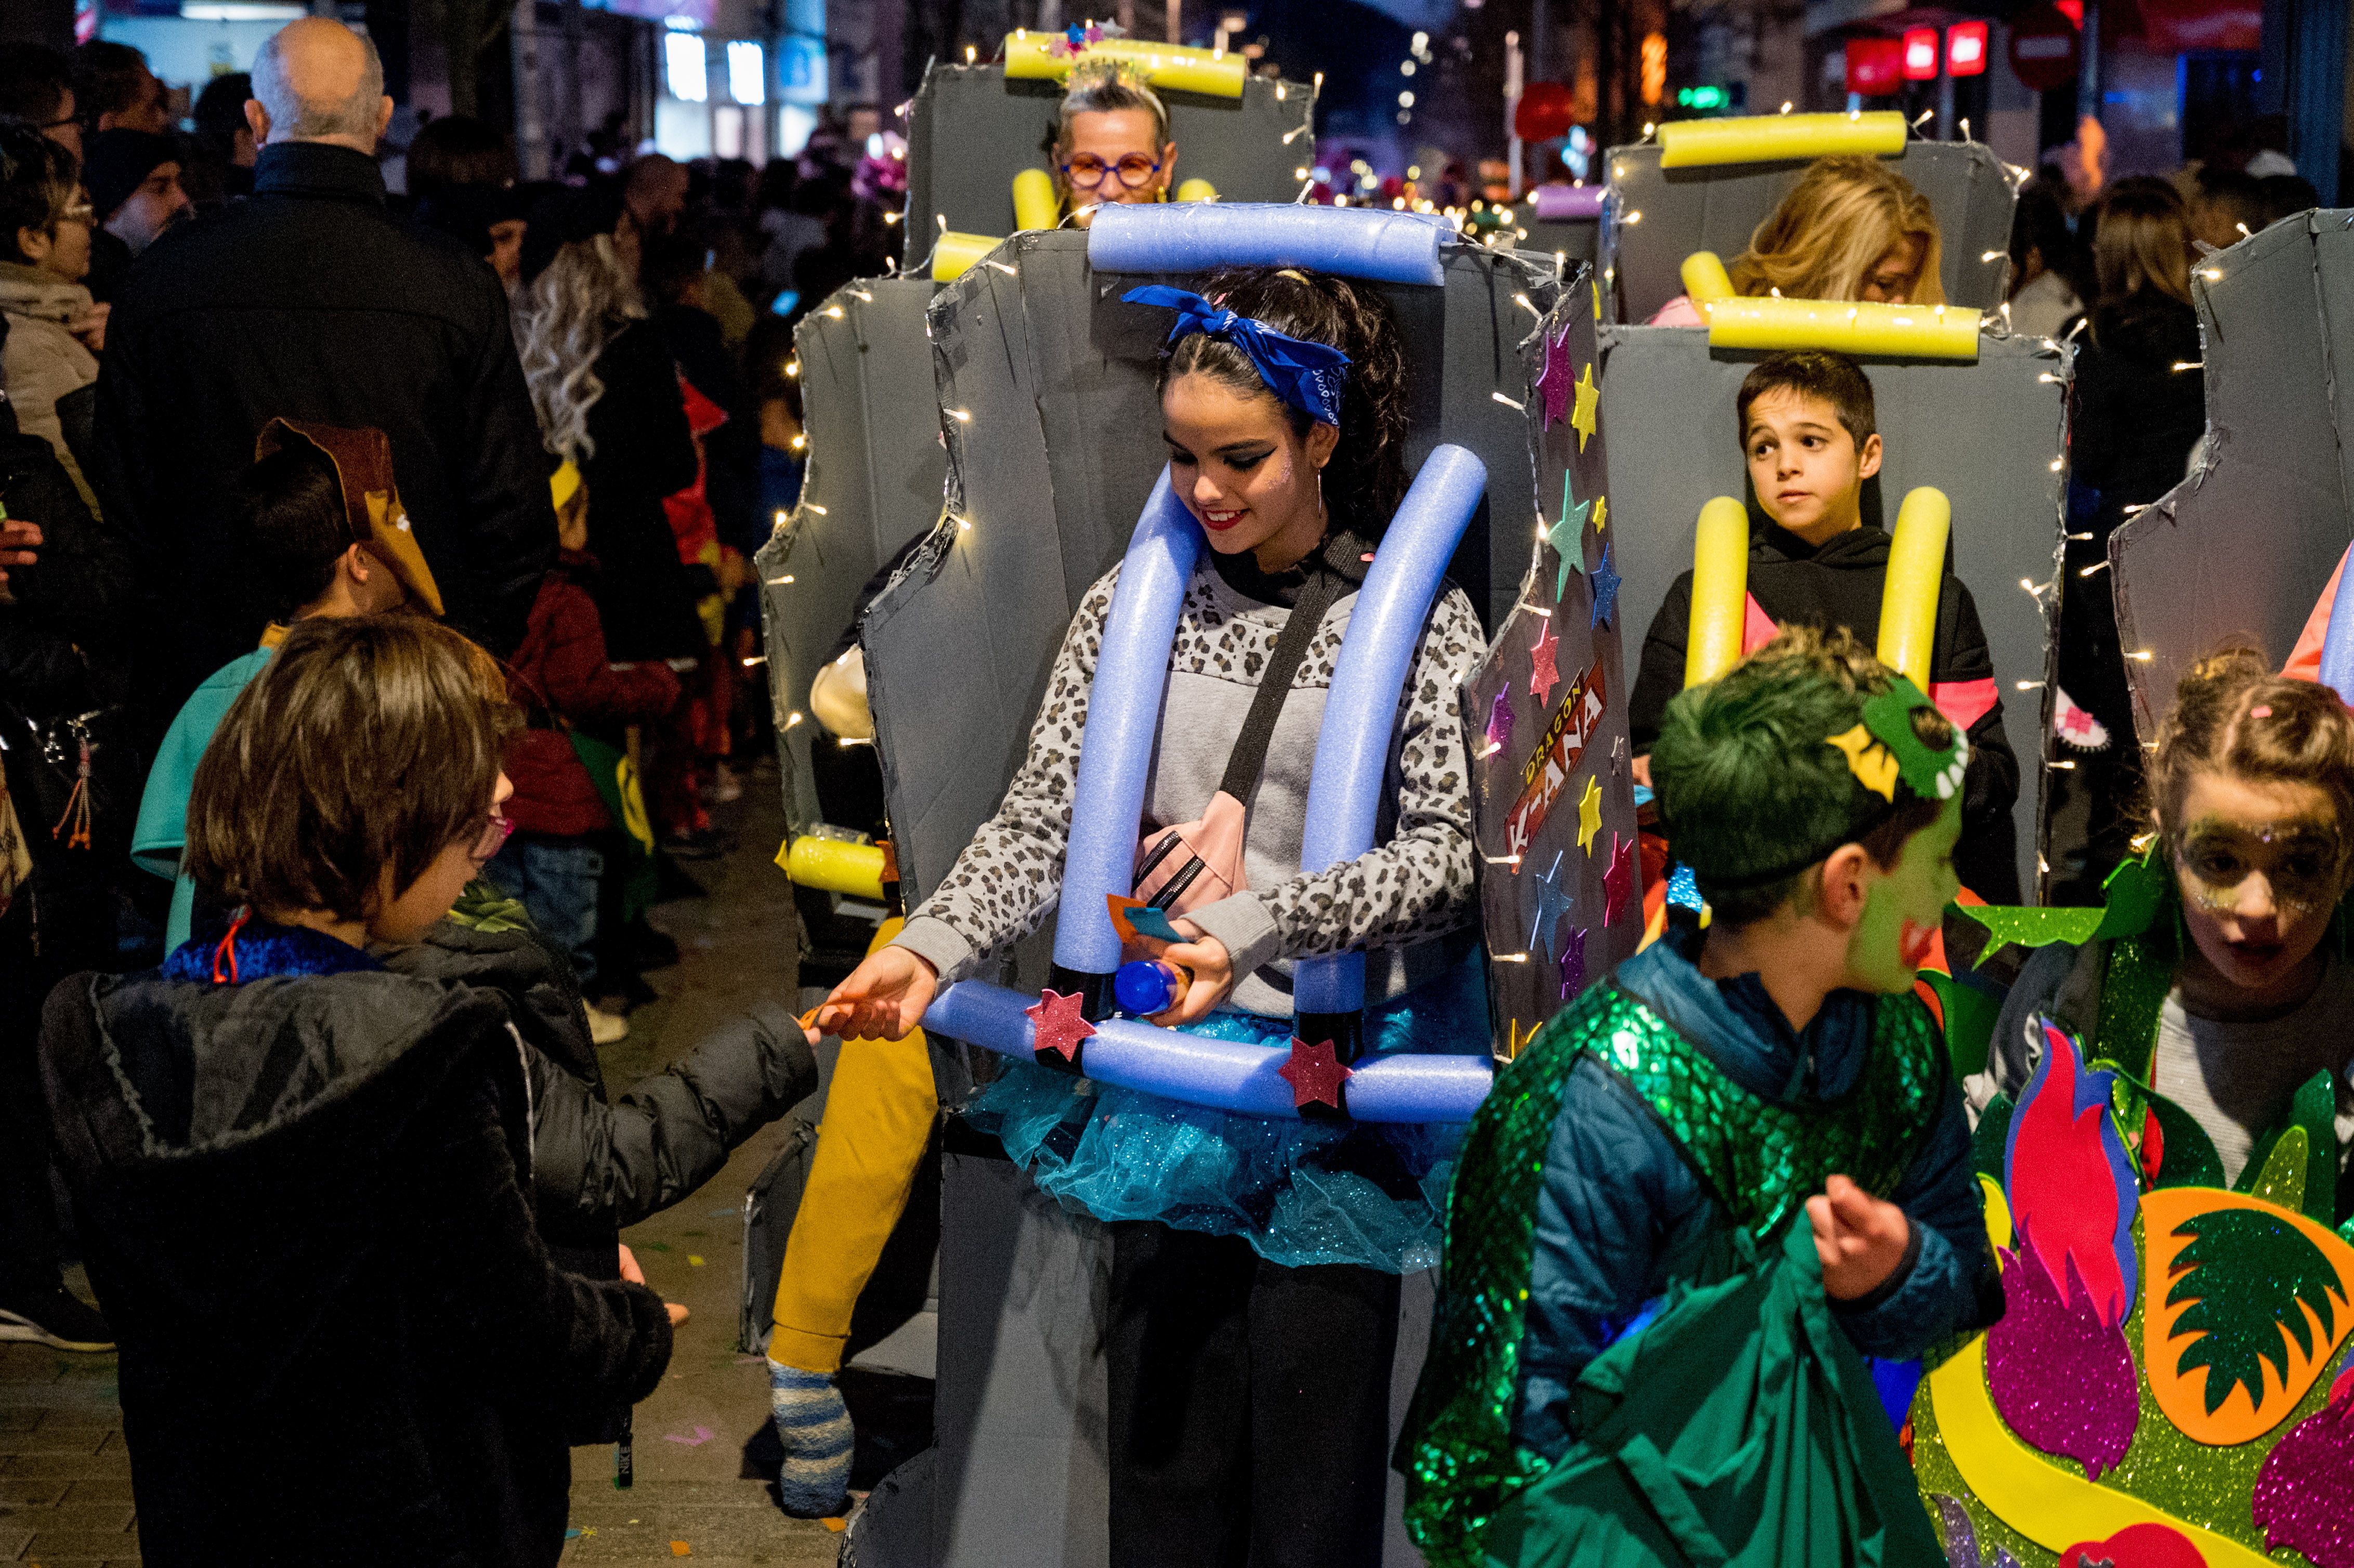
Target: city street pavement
65 1480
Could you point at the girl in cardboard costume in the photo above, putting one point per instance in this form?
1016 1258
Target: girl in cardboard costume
1255 1289
1632 1301
2167 1192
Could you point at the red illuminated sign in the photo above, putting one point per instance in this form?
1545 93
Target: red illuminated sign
1875 67
1921 49
1965 48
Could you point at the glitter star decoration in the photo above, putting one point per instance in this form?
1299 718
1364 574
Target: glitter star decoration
1499 721
1552 905
1060 1026
1573 963
1567 537
1601 512
1605 589
1589 399
1543 676
1314 1073
1589 817
1618 882
1552 380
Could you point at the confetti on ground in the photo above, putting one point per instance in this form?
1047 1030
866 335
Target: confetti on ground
573 1533
835 1525
681 1549
721 1213
655 1246
695 1260
694 1439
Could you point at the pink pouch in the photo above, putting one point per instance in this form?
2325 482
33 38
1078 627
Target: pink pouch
1195 863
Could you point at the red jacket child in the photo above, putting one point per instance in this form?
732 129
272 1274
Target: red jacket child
561 672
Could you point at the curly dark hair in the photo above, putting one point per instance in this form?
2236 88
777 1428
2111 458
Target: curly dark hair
1366 477
37 181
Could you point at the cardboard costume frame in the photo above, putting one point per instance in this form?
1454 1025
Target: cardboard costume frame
970 130
1654 217
2245 545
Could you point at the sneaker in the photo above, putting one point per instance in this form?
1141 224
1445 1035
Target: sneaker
56 1317
724 787
605 1028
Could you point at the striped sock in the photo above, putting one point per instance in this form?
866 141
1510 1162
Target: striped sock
815 1427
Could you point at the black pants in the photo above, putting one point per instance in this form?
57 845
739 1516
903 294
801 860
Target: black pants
1249 1405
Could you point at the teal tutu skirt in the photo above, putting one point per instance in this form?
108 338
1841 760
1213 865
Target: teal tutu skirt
1303 1193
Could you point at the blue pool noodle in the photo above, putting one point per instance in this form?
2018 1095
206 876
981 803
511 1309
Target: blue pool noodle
2337 645
1387 247
1123 718
1344 793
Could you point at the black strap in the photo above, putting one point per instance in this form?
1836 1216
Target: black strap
1249 755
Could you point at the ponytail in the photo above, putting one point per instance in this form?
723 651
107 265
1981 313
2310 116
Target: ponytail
2232 715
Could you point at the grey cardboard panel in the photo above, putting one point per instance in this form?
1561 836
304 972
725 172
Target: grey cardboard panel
971 132
875 468
2244 546
1059 375
1987 434
1526 786
1717 208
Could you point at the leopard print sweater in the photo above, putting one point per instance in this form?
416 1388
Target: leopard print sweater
1399 903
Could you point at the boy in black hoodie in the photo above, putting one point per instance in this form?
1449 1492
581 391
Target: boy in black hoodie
1809 434
303 1178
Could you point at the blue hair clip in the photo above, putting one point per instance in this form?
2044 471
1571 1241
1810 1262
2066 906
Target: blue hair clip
1310 376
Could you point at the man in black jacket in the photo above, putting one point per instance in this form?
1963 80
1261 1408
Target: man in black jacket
311 300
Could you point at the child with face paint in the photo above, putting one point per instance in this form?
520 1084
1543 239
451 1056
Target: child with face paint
1255 1262
1773 1069
2252 808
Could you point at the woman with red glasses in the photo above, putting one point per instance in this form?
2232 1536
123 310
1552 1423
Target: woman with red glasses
1112 141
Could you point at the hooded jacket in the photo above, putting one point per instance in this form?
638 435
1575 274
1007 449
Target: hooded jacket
1839 584
305 1202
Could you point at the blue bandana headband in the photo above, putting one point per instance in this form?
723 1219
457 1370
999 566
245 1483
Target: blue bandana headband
1310 376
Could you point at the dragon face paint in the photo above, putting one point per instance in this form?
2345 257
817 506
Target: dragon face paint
1903 911
2261 865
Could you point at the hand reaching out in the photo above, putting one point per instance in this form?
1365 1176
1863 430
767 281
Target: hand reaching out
883 998
1212 975
1859 1239
636 1275
18 540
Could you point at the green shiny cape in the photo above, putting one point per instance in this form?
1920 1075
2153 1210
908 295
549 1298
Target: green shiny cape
1759 1159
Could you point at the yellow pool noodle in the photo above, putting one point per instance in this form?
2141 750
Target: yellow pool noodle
1770 138
1036 204
1844 326
956 254
1720 592
1196 189
1033 55
1916 570
1705 279
834 865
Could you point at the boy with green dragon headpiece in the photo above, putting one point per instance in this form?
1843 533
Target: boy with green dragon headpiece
1641 1341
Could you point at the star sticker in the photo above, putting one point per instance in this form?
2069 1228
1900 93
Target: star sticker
1553 379
1059 1025
1573 963
1314 1073
1589 397
1567 537
1605 589
1618 882
1597 298
1499 721
1543 676
1601 512
1589 817
1552 905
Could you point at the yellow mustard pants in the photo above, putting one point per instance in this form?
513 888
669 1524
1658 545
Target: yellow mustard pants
878 1120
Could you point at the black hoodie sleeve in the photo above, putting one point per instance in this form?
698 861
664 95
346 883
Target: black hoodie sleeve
550 1335
1987 858
1662 672
597 1165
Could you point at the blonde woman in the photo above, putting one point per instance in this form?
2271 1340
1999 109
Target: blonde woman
1851 228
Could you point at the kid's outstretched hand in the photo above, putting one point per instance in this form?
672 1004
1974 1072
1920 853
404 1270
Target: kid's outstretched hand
1859 1239
883 998
1212 975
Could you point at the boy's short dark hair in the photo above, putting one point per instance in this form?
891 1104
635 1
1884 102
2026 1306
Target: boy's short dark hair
367 744
34 82
1812 372
1748 783
296 528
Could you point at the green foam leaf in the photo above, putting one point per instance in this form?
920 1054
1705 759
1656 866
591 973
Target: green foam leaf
1970 1017
2034 926
2281 1183
2250 1277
